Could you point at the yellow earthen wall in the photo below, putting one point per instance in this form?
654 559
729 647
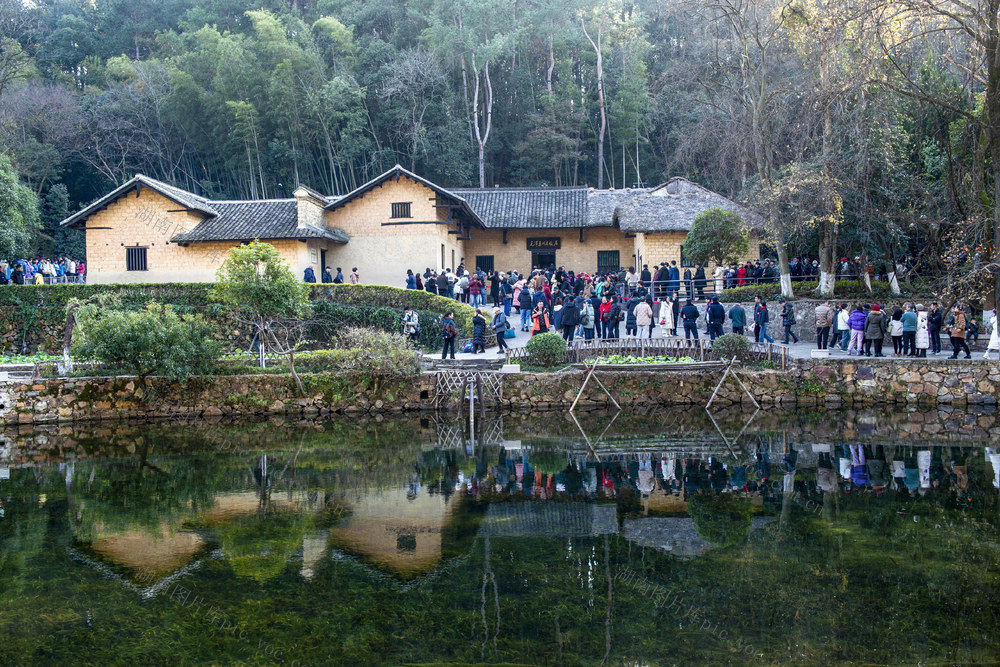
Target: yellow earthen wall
572 254
383 253
145 221
666 247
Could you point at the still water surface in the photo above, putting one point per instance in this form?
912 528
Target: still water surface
809 538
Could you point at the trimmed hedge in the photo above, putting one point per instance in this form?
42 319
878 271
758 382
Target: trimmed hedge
843 289
32 317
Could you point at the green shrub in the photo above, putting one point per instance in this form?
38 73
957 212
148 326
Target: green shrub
546 349
397 298
844 289
378 352
152 341
730 345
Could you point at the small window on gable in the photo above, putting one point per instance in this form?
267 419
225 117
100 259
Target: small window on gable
401 209
135 259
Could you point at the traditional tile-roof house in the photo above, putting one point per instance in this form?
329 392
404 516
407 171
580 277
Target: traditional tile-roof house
149 231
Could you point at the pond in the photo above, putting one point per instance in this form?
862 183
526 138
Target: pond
673 538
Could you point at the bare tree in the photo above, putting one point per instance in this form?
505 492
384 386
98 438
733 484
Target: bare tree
417 79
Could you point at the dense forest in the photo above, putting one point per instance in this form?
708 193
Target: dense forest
857 128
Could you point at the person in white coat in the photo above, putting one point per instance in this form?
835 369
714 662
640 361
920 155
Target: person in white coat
994 343
667 323
923 337
719 275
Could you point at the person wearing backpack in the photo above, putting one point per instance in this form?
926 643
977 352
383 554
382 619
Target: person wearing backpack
524 301
587 319
500 325
449 332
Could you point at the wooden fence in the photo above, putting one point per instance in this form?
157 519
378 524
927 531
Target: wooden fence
673 348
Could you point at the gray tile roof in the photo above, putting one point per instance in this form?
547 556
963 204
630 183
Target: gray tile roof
602 204
672 207
529 208
183 198
265 219
549 519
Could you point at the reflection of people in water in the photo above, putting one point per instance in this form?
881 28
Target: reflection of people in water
877 470
645 482
859 466
825 479
994 456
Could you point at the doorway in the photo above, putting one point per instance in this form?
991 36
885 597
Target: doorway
322 261
543 260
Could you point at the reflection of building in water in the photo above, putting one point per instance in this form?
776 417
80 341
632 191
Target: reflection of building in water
401 534
156 553
675 535
565 519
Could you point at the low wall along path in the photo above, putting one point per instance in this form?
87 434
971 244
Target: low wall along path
831 383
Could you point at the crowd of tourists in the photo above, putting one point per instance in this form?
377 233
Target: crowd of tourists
914 330
906 471
42 271
328 276
586 306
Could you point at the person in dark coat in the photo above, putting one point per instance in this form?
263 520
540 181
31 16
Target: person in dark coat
716 318
570 318
675 308
630 327
499 325
524 303
761 318
478 332
690 315
738 317
674 279
688 284
699 280
645 276
327 275
788 321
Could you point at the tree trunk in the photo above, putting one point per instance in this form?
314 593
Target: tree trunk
828 223
783 270
600 100
482 135
549 70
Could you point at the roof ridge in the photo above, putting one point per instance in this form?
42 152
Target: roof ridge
523 188
253 201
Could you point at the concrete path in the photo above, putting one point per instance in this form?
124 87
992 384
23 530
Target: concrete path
795 350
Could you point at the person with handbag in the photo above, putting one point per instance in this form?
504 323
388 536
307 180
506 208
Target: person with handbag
501 326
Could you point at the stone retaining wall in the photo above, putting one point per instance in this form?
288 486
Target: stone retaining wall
830 383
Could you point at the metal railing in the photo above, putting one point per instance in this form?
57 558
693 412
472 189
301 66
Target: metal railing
673 348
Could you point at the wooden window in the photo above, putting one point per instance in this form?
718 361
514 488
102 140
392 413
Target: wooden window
607 260
485 263
135 259
401 209
684 260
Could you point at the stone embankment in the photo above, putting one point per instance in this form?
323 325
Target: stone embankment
829 383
